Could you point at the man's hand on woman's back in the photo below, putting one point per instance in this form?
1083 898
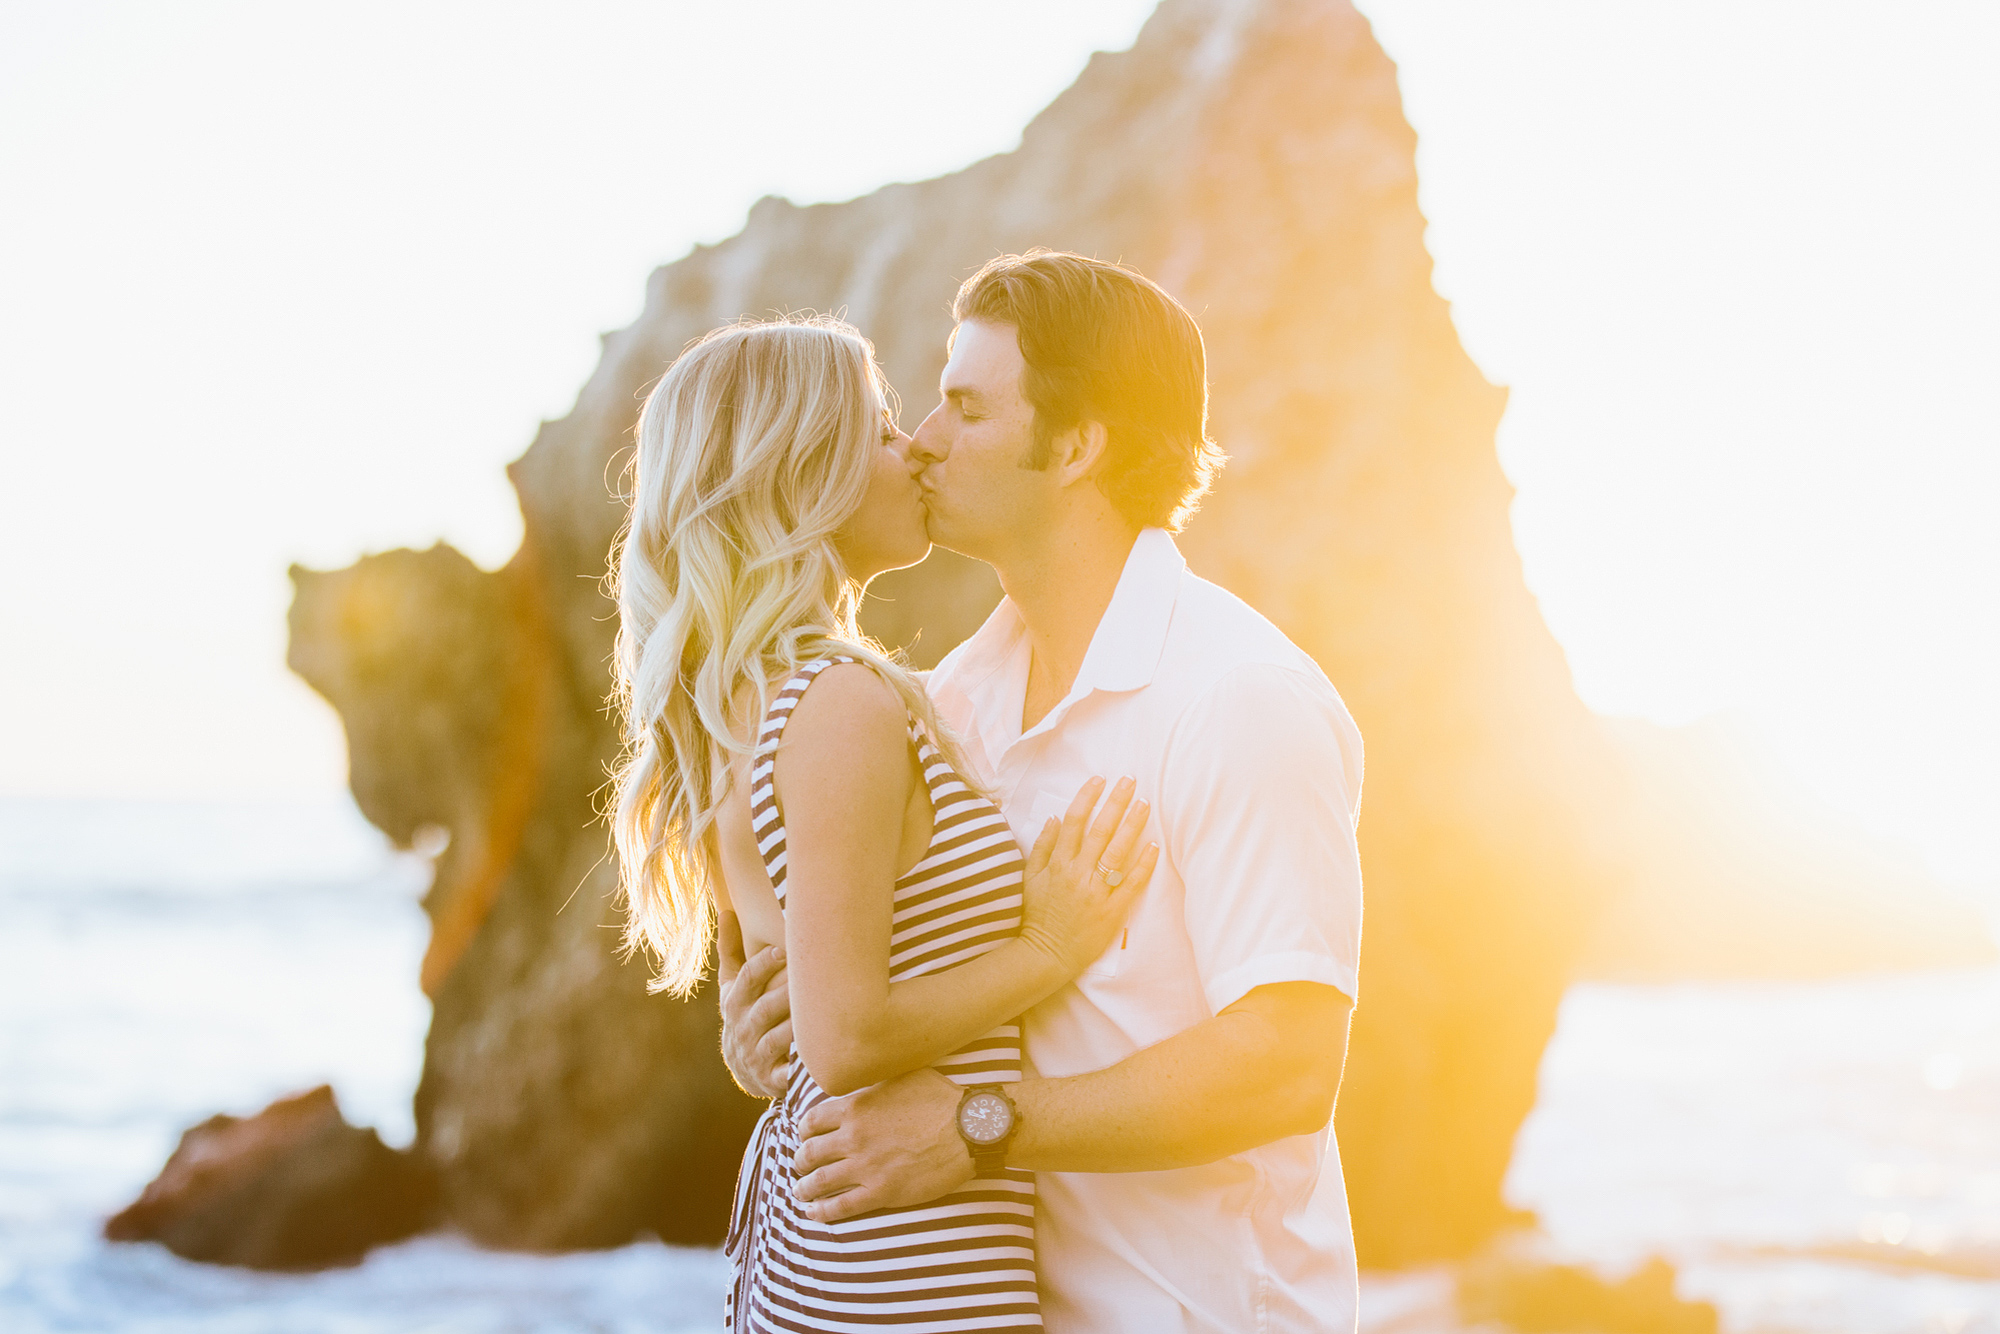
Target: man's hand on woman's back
756 1014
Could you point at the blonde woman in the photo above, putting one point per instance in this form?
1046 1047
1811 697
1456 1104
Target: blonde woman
781 768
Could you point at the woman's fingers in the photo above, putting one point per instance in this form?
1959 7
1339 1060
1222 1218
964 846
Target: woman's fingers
1077 817
1098 927
1118 852
1106 823
1045 846
1121 899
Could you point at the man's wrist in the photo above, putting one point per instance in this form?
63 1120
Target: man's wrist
1038 1114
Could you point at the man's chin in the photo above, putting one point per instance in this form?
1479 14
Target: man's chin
939 535
940 532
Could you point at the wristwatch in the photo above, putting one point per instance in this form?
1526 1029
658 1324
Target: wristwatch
987 1120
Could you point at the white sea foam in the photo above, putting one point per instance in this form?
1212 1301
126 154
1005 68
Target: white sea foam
162 962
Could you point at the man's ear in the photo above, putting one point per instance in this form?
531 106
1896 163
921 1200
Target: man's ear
1080 451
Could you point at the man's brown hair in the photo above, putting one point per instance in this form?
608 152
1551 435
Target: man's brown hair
1103 343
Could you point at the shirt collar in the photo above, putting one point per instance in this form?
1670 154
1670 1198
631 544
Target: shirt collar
1124 650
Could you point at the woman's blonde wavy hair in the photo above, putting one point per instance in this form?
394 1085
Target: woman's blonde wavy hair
754 449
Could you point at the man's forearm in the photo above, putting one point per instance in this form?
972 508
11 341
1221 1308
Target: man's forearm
1264 1069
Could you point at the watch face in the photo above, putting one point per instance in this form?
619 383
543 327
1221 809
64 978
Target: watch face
986 1118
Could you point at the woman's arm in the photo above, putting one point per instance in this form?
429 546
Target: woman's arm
845 781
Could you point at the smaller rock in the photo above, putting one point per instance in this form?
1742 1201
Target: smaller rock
1536 1297
293 1187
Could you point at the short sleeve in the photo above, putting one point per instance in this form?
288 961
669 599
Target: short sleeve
1260 793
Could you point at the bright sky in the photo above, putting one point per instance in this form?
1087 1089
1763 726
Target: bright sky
294 282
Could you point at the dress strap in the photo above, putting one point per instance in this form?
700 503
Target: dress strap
767 823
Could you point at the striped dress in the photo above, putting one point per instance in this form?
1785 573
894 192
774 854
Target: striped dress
965 1262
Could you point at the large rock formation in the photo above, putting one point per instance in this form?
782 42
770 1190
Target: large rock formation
560 1106
1252 156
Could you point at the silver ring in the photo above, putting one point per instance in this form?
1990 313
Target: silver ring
1111 877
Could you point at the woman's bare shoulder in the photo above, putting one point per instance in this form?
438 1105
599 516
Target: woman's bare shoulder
848 704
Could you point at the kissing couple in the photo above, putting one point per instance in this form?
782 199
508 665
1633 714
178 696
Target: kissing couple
1045 960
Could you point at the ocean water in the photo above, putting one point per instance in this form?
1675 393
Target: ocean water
1811 1157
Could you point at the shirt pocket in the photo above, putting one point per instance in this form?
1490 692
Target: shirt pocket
1047 805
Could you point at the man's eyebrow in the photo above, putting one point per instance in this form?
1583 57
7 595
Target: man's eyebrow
961 393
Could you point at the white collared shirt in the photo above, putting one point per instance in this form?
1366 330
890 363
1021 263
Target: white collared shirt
1253 769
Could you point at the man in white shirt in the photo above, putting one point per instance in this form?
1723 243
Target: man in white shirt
1180 1117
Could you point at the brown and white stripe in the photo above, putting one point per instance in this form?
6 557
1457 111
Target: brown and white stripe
965 1262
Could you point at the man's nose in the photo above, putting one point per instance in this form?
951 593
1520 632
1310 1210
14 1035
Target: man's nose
928 445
